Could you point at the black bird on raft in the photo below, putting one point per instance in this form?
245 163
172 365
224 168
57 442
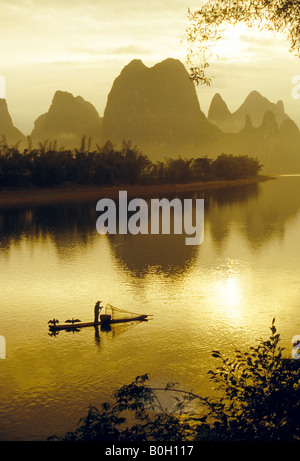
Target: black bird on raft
73 321
53 322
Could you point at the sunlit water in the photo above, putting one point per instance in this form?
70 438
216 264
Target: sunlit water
221 295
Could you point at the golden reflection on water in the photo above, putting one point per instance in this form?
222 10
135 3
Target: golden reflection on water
223 293
230 296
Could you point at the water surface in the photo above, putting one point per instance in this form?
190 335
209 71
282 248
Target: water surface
221 294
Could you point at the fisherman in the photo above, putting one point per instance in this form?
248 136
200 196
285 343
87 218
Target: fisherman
97 309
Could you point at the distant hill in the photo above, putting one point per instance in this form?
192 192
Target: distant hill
7 128
255 106
277 146
220 115
157 108
68 119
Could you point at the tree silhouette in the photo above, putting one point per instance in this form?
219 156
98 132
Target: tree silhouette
207 25
46 167
256 399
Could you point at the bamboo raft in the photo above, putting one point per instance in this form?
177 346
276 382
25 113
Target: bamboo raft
70 326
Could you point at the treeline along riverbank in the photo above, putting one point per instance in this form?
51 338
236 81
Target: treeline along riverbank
46 175
46 167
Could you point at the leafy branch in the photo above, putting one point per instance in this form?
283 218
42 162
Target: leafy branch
208 24
260 399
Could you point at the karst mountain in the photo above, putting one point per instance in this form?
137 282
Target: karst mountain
68 119
158 110
9 133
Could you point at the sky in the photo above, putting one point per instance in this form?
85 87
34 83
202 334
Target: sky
82 46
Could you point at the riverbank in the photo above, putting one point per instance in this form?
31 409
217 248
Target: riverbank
78 193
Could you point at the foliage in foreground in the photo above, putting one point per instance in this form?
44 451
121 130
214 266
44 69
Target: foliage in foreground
260 401
208 24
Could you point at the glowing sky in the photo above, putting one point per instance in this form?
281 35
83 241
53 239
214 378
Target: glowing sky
81 47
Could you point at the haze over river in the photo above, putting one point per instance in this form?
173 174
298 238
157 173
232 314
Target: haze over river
221 295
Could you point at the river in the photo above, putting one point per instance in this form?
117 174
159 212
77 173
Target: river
221 294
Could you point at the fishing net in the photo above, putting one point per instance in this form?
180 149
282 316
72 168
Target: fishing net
114 313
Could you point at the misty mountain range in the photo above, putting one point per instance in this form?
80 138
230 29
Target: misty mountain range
158 110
